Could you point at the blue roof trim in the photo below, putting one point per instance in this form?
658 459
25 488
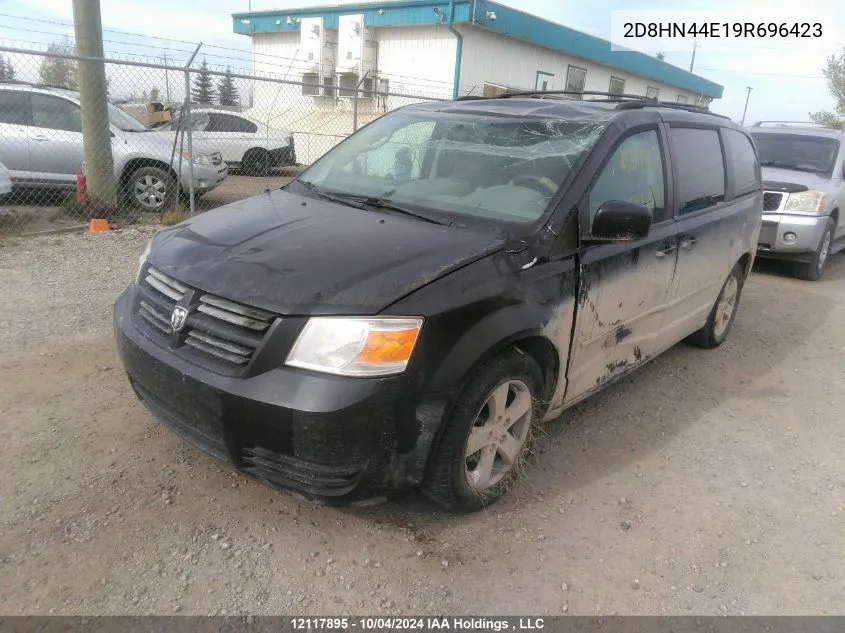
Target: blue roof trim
509 21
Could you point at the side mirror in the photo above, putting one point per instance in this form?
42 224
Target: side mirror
618 221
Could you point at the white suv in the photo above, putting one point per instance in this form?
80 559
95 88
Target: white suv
41 145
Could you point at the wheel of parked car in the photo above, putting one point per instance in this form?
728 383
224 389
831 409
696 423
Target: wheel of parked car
256 162
152 189
812 270
723 313
485 442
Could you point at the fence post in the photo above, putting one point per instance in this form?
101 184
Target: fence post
192 205
355 111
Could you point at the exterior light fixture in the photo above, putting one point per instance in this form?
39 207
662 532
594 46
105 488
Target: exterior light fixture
491 15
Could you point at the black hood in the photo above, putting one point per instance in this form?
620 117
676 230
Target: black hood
300 255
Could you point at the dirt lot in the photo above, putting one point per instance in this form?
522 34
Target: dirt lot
707 483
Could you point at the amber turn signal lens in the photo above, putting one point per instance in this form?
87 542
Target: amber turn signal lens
388 346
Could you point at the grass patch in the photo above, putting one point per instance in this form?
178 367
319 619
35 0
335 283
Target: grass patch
175 215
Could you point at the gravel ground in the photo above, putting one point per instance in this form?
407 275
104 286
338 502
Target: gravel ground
706 483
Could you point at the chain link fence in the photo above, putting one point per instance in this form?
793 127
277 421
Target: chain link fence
182 138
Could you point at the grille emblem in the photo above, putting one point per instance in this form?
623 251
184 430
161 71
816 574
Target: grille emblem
178 318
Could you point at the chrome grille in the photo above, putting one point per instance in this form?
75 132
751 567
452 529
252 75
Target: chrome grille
217 329
771 201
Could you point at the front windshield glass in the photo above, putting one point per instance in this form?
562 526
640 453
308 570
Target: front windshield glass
797 151
488 167
123 121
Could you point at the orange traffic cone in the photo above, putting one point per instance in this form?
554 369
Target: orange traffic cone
98 225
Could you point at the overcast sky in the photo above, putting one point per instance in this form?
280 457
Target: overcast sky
786 81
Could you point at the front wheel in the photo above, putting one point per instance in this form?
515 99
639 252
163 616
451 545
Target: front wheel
152 189
256 162
486 439
722 316
812 270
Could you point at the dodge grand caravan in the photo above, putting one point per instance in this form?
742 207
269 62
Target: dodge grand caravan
419 300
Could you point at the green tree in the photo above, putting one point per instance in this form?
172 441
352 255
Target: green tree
7 71
154 94
227 93
835 75
56 71
203 89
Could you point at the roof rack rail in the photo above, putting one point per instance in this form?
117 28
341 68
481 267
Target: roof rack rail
544 93
785 123
630 105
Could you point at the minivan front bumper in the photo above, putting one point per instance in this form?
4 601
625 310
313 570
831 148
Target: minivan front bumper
327 438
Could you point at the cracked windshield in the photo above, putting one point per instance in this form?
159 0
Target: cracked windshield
496 169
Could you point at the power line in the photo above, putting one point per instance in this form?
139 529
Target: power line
751 72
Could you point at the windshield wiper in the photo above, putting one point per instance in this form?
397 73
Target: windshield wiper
363 202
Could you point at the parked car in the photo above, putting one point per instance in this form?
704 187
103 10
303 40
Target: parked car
41 144
419 300
5 180
245 140
804 181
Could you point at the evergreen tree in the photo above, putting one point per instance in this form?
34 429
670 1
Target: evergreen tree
56 71
7 71
203 89
227 93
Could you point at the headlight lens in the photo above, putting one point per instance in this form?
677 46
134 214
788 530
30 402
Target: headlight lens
199 159
141 260
350 346
806 202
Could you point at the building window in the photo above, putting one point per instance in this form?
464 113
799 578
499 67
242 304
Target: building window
683 99
576 79
617 86
543 80
309 84
495 90
652 93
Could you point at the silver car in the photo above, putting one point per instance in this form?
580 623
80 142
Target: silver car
41 145
804 182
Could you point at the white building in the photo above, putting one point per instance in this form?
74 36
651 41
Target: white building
436 49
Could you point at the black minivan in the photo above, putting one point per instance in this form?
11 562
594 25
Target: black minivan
413 306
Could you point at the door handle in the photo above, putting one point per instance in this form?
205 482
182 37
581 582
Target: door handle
687 242
665 251
39 138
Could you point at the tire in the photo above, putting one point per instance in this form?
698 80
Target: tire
722 316
256 162
152 189
813 270
462 482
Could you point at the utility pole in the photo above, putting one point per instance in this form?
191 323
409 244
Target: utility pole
694 47
93 96
747 96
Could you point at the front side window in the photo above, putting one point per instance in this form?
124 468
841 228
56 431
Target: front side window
576 79
489 168
744 169
634 174
229 123
54 113
14 107
699 168
800 152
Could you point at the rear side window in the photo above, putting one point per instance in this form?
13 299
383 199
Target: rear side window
230 123
55 114
14 107
744 170
634 173
699 167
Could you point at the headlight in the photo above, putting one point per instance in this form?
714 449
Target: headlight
199 159
806 202
351 346
142 260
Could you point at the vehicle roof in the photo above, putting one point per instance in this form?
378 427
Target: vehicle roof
799 130
571 109
195 109
32 87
